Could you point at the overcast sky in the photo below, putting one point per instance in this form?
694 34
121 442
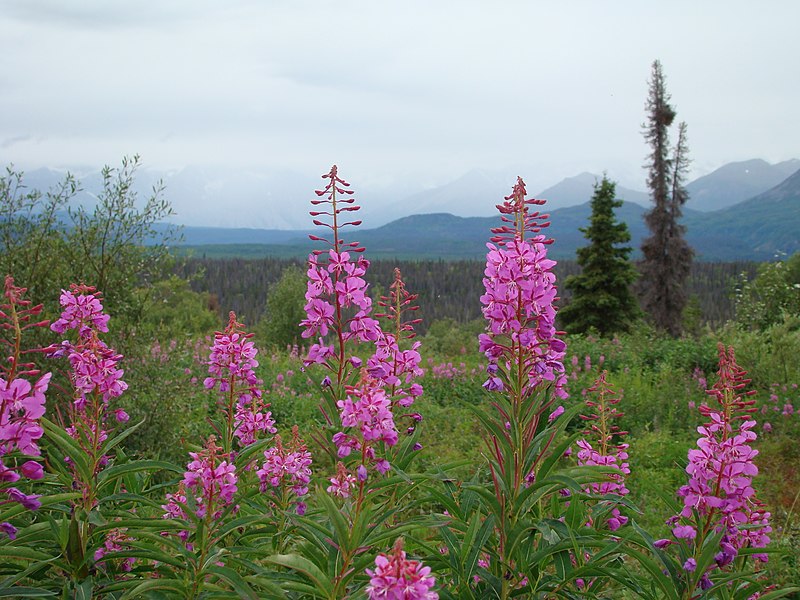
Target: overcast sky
425 89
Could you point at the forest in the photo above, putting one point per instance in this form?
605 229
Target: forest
446 289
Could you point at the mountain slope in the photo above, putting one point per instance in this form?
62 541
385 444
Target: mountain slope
579 189
756 229
735 182
759 228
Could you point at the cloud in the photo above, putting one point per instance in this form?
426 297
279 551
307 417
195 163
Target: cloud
413 86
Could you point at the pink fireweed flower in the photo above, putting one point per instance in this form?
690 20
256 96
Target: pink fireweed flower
342 483
232 361
368 410
95 370
719 496
174 508
606 453
213 481
336 295
289 467
83 310
398 367
21 407
231 366
251 419
519 300
116 541
397 577
95 374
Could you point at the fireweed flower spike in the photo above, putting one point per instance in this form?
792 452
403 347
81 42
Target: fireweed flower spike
336 301
366 414
212 479
21 402
231 368
519 304
395 367
605 453
719 497
96 377
287 468
397 577
526 376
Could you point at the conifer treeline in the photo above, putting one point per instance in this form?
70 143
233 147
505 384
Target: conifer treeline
447 289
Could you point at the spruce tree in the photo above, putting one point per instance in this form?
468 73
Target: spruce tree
667 256
602 299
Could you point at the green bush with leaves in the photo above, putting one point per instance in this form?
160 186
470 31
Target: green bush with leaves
771 297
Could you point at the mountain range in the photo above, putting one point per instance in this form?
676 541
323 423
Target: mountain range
278 199
743 210
759 228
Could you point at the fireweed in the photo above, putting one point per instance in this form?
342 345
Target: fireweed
231 367
288 471
369 378
513 528
721 523
606 452
396 576
21 403
96 380
204 512
339 309
237 524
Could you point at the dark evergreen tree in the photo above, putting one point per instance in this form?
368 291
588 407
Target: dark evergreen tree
602 299
667 256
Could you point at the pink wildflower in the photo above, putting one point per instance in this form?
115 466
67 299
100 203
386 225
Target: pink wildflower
519 300
290 467
83 311
342 482
719 496
606 453
397 577
212 481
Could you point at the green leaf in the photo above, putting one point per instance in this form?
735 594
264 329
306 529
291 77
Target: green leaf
108 476
340 526
68 447
17 552
476 546
173 585
306 567
25 592
112 442
235 580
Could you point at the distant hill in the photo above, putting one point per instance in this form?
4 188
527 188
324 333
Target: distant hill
756 229
577 190
735 182
276 214
277 199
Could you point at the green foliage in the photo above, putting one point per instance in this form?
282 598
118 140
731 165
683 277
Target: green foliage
602 299
772 296
166 395
447 337
172 310
32 234
770 355
115 247
280 325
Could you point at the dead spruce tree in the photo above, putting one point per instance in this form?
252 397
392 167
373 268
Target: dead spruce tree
667 256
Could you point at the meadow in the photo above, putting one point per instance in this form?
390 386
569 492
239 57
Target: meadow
146 455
